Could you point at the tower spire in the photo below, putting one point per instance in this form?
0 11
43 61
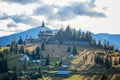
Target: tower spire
43 25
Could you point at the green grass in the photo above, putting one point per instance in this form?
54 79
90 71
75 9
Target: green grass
13 60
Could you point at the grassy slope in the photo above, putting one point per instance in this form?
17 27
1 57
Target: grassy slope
57 53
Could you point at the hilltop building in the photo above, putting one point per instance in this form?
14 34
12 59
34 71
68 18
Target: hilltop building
45 33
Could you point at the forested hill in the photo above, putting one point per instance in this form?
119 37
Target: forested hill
112 39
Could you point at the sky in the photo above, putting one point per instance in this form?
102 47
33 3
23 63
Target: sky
97 16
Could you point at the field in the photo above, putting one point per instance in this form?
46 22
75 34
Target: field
80 69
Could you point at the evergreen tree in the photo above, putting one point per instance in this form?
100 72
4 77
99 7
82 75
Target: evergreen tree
68 33
38 53
110 62
86 57
25 64
105 45
107 63
115 62
79 35
20 41
119 60
93 42
68 49
43 46
6 64
92 59
40 72
3 63
101 60
47 60
74 52
16 48
60 63
21 50
99 44
0 47
33 55
74 35
104 77
11 48
15 75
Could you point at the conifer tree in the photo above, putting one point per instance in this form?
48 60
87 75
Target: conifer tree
60 63
104 77
40 72
20 41
99 44
79 35
25 64
115 62
68 49
15 75
33 55
74 52
47 60
16 48
21 50
38 53
119 60
43 46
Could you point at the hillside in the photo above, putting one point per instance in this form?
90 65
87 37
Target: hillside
80 69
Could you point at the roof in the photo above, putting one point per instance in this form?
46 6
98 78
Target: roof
63 72
45 30
66 63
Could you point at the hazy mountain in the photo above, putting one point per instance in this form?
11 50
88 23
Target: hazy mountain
31 32
113 39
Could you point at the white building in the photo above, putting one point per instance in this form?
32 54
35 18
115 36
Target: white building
25 57
36 61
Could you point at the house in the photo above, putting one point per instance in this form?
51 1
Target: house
71 56
36 61
63 73
66 64
25 57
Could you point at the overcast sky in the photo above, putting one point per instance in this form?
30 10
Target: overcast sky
98 16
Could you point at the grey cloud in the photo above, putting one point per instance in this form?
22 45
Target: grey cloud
46 10
2 30
3 16
86 9
70 11
11 24
22 1
20 19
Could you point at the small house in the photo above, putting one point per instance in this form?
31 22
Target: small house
66 64
71 56
36 61
25 57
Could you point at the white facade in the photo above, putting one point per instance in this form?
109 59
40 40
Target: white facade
25 57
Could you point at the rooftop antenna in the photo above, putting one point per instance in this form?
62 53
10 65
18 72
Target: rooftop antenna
62 20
